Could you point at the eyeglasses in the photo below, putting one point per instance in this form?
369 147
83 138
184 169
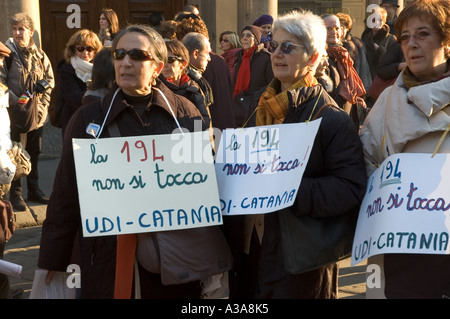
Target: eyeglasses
285 47
172 59
81 49
224 40
134 54
421 35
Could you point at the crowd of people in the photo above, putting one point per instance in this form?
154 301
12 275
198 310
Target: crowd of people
381 94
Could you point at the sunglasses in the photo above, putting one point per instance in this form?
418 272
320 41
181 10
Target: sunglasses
285 47
81 49
172 59
134 54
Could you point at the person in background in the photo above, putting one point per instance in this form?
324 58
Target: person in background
392 8
412 116
199 48
355 48
334 180
171 264
253 72
75 72
216 74
155 19
27 60
376 38
230 45
174 76
109 26
350 87
103 76
265 22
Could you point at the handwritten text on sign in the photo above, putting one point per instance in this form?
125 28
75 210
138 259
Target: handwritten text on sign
406 208
139 184
259 169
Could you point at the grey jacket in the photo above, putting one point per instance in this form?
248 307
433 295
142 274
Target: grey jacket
15 76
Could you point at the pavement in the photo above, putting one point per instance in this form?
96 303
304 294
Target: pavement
23 248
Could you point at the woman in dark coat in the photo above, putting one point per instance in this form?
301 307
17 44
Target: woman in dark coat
137 104
253 72
75 71
334 180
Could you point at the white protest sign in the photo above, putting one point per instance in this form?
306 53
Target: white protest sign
259 169
406 208
146 184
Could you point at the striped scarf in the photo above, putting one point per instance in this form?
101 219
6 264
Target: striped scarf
273 106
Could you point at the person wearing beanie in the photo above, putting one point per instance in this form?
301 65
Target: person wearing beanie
253 71
265 22
391 7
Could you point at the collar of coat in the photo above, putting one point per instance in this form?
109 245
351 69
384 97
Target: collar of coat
120 104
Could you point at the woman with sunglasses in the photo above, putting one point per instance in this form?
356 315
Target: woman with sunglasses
230 45
334 179
412 116
171 264
252 72
174 75
74 73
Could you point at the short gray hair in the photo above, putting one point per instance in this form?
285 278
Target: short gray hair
23 18
157 47
194 41
307 27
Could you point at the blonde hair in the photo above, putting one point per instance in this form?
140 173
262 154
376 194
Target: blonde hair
82 37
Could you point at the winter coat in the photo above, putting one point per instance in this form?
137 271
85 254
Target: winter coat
411 121
221 110
16 75
98 253
261 75
333 183
71 90
374 54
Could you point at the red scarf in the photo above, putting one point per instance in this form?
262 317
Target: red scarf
243 77
351 84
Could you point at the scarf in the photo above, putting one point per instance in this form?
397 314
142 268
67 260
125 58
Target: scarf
243 77
83 69
351 85
273 106
410 79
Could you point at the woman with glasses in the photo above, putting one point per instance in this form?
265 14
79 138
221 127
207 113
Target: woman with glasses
230 45
252 72
74 73
171 264
174 75
334 179
412 116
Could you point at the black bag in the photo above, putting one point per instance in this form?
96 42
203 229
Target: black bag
25 116
309 243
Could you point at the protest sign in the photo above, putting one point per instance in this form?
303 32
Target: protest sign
259 169
406 208
146 183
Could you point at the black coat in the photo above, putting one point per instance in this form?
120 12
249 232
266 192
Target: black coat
71 90
59 231
261 74
333 183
